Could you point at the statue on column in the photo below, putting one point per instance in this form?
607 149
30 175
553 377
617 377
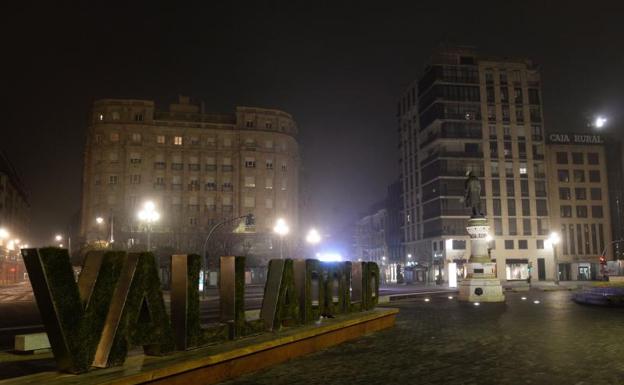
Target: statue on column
473 194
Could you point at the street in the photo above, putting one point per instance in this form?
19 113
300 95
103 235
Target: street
20 314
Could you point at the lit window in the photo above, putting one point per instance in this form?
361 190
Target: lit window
160 139
523 170
177 140
269 164
112 179
250 162
267 125
250 181
114 137
136 137
101 117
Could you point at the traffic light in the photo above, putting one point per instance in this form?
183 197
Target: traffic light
530 267
250 220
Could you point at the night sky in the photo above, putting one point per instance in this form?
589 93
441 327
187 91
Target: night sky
338 69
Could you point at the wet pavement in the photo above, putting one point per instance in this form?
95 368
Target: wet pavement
552 341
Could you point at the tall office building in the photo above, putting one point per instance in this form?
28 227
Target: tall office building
579 198
479 114
199 168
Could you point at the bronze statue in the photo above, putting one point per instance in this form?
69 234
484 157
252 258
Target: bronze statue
473 194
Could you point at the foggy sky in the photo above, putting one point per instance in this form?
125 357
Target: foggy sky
338 69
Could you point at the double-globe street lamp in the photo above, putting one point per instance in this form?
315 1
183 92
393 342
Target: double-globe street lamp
313 238
148 215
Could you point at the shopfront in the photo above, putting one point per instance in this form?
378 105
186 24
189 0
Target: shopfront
516 269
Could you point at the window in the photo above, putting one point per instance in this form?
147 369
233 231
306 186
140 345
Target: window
511 207
518 95
250 181
249 202
249 124
227 142
563 175
503 77
579 176
536 132
160 181
594 175
577 158
210 185
495 187
459 244
595 193
498 226
135 179
540 188
496 203
193 184
510 188
177 140
513 228
268 125
526 208
112 179
113 157
562 158
580 193
524 188
211 164
592 158
136 137
250 162
509 170
504 94
268 144
284 167
541 207
268 183
116 115
539 244
596 211
491 111
534 97
138 117
519 114
564 193
193 221
160 139
211 142
581 211
135 158
523 170
523 244
269 164
227 164
509 244
543 227
194 141
566 211
526 226
101 117
114 137
494 168
284 184
268 203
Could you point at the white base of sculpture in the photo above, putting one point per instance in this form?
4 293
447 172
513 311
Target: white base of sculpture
480 284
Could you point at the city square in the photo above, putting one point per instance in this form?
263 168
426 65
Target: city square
283 192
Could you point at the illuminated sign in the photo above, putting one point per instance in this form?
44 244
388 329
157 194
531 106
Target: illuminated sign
575 139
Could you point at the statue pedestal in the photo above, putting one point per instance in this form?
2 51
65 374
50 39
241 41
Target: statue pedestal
480 284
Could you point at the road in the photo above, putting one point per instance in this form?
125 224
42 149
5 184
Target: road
21 316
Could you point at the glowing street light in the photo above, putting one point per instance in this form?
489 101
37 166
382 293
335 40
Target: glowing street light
4 233
281 229
99 220
58 237
554 239
313 237
600 121
148 215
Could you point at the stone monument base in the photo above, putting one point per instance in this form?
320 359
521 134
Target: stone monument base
490 289
481 284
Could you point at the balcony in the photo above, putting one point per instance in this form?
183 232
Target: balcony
193 167
160 165
211 167
177 166
227 168
210 187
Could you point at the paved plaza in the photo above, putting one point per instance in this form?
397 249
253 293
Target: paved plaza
443 341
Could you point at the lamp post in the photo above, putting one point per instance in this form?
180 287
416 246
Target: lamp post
554 240
281 229
148 215
4 235
100 222
313 238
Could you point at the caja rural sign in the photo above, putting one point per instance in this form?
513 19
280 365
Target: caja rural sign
118 303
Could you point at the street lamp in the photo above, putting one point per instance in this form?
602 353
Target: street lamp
148 215
99 220
313 237
554 240
281 229
600 121
58 237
